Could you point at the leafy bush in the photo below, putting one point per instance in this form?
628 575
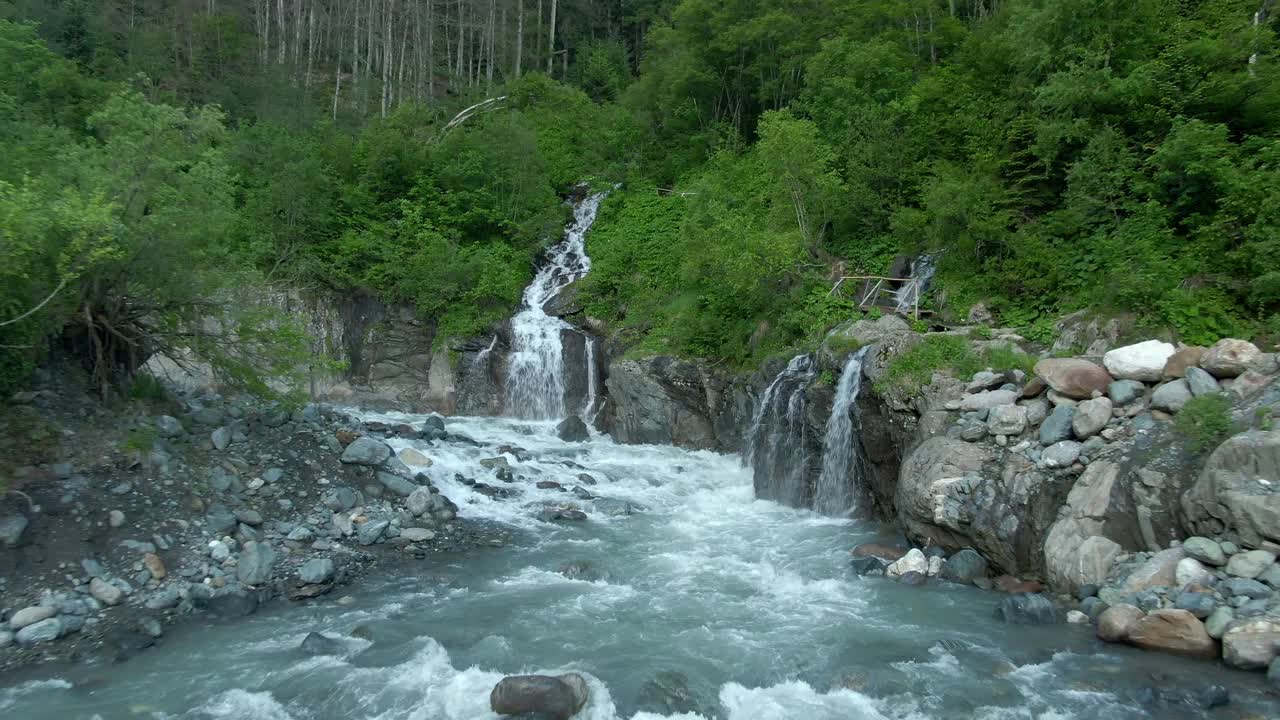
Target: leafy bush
1205 421
914 368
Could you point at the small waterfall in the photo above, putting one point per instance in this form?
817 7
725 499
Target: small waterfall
839 480
589 410
535 378
481 361
777 447
923 269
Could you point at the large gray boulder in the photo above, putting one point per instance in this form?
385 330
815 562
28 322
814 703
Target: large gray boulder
1144 361
573 429
1090 417
1077 551
255 562
1229 358
366 451
559 698
1171 396
1057 426
11 529
1237 493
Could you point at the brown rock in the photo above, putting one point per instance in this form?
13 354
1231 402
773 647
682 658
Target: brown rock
345 437
155 566
1115 623
1173 631
884 552
1011 584
1034 387
1073 377
1184 358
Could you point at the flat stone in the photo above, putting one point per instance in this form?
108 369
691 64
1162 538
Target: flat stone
1073 377
417 534
1250 564
1205 550
987 400
370 532
104 592
1143 361
1173 631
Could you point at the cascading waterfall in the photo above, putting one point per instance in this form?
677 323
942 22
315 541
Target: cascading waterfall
922 271
777 446
589 410
535 378
837 485
481 361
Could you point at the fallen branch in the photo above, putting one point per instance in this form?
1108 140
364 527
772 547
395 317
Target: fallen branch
37 308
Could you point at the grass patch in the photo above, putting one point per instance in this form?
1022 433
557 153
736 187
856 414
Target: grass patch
839 343
951 354
1205 421
142 439
146 387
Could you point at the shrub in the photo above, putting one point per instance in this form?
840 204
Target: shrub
914 368
1205 421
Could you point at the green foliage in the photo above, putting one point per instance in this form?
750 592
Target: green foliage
841 343
981 332
953 354
1205 421
140 439
144 386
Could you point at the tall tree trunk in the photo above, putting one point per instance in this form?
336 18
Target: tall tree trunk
462 38
431 52
551 44
488 71
519 35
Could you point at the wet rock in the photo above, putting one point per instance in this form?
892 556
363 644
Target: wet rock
1075 617
575 570
1251 644
572 429
552 514
1214 696
1144 361
1073 377
1205 550
1090 417
255 563
104 592
1171 396
410 456
1093 607
11 529
913 561
31 616
1250 564
318 644
1173 631
231 603
1229 358
668 693
548 485
169 427
913 578
371 531
868 565
366 451
221 438
888 553
1117 621
1200 382
614 507
1057 426
396 484
964 567
433 428
1028 609
417 534
43 631
582 493
559 698
316 571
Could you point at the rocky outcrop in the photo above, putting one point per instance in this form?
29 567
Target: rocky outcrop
1238 492
664 400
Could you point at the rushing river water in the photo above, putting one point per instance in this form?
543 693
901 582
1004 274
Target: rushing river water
747 604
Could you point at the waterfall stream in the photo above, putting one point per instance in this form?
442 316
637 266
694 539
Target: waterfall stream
908 296
777 445
535 379
838 483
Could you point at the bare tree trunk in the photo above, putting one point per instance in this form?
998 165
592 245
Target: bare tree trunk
519 35
283 32
488 72
388 48
431 52
551 44
462 38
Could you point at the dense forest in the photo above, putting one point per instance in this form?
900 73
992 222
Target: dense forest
165 156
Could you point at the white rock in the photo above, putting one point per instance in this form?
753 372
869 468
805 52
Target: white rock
913 561
30 616
104 592
1075 617
1190 571
1062 454
115 518
218 550
1144 361
988 399
935 566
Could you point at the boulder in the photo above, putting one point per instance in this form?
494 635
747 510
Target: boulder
396 484
1244 587
987 400
366 451
559 698
419 501
1205 550
410 456
1116 622
1251 644
30 616
1218 622
1123 392
964 567
1028 609
1228 497
169 427
371 531
1201 382
913 561
1007 420
1072 565
316 571
317 644
1173 631
43 631
1144 361
1073 377
1200 604
1037 411
668 693
1057 426
573 429
1090 417
1182 359
11 529
221 438
417 534
104 592
1230 358
254 565
1160 570
869 565
1190 572
1171 396
1062 454
1250 564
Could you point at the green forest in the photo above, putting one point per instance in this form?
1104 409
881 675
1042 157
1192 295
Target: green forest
165 159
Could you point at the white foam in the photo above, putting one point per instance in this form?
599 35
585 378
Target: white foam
243 705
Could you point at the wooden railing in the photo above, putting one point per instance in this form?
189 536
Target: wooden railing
874 290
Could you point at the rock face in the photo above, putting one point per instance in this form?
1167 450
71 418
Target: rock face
1229 358
1073 377
1173 631
1076 550
1144 361
556 697
1229 499
663 400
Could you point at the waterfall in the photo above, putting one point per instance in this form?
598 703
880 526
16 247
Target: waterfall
907 296
535 378
777 446
839 480
481 361
589 411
